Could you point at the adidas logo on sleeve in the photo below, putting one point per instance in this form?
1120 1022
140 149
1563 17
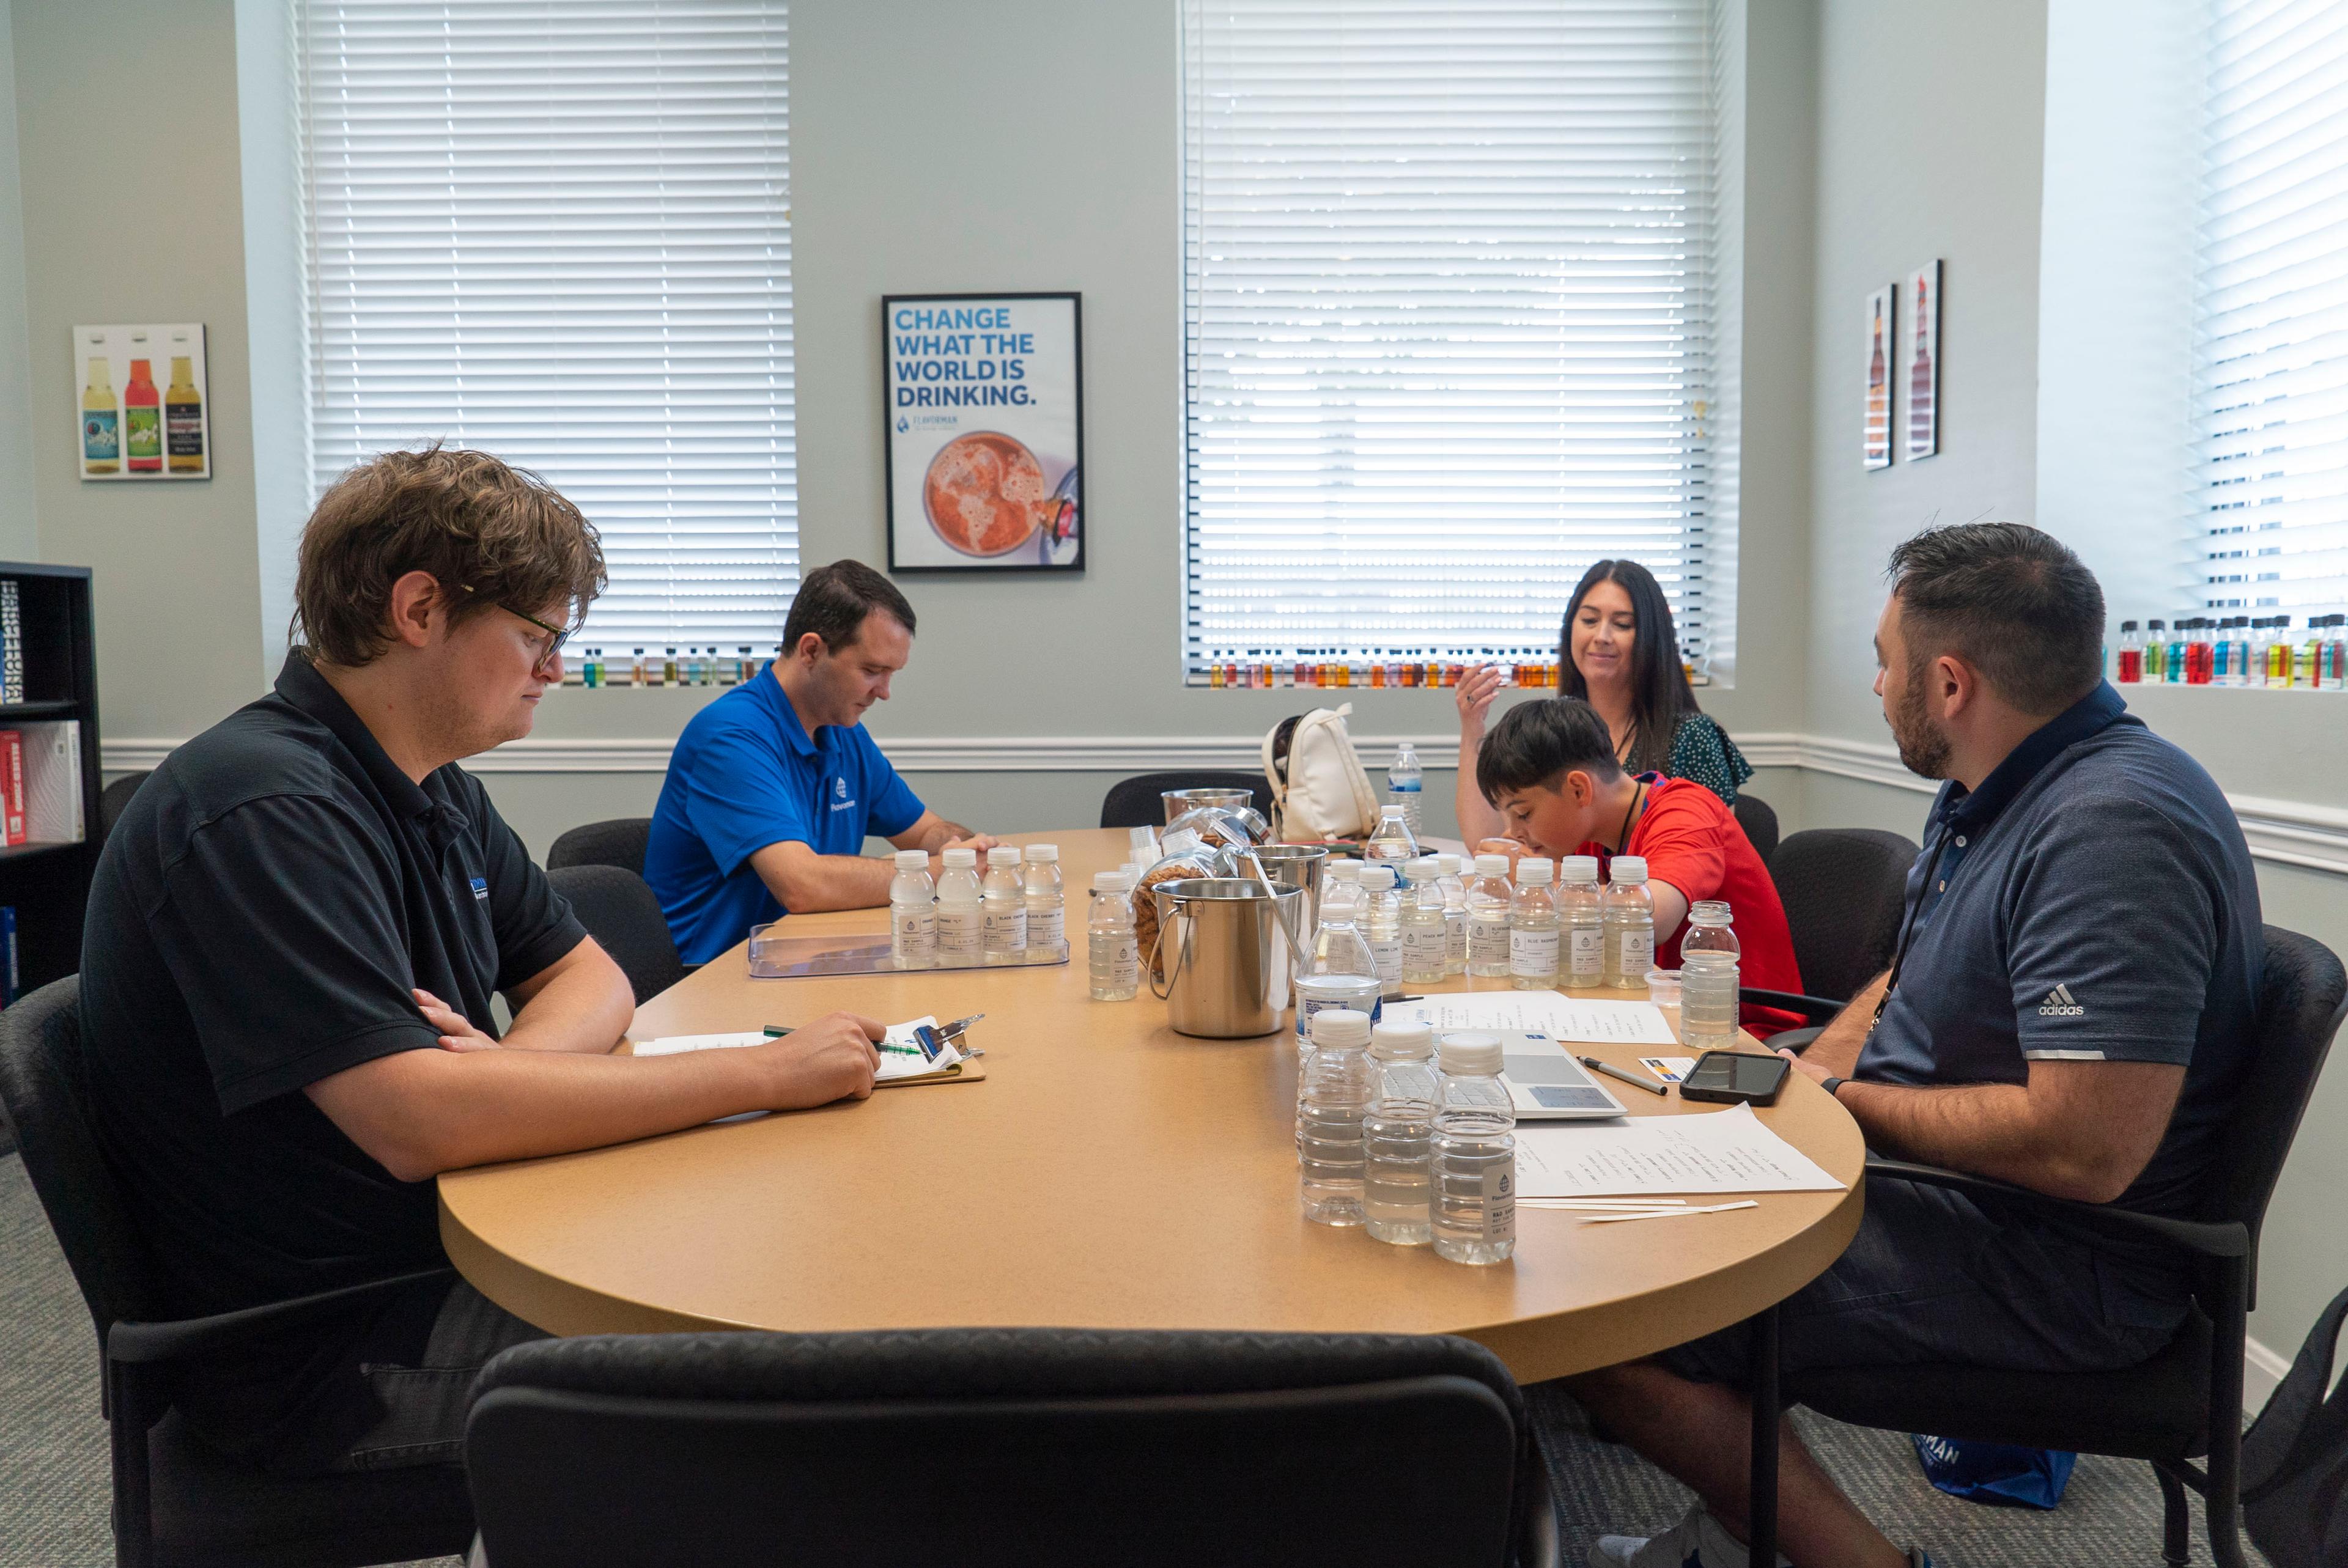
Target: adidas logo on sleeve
2059 1004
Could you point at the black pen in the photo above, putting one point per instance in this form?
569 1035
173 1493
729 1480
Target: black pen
1595 1065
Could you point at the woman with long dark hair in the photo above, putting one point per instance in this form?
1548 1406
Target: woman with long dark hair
1618 652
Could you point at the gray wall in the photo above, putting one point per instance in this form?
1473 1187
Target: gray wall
20 537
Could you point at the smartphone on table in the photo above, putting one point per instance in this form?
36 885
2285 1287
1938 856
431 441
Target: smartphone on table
1736 1077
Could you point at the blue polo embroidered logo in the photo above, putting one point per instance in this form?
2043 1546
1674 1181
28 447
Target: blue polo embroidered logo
840 788
841 801
481 890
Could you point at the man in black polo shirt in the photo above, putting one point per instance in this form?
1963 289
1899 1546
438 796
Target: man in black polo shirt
293 937
2071 1010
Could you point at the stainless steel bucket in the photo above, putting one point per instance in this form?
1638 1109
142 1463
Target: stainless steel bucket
1225 946
1296 866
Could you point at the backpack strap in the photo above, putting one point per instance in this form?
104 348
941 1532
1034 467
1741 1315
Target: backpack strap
2299 1430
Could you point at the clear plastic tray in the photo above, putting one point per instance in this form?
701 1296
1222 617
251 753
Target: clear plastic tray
779 955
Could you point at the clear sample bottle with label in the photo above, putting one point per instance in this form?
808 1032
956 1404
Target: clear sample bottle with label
1003 907
1382 923
1630 924
1395 838
1582 924
1488 918
912 913
1473 1153
1047 918
1709 979
1532 927
959 910
1116 956
1425 934
1397 1196
1403 778
1455 913
1336 1091
1341 972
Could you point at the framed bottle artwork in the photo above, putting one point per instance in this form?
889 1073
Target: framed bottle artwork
1920 368
1876 449
984 432
131 423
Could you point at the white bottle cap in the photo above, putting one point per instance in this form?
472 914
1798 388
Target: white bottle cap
1491 866
913 860
959 859
1402 1040
1002 855
1341 870
1581 868
1534 872
1338 1028
1041 854
1111 882
1447 866
1469 1053
1376 876
1631 869
1423 869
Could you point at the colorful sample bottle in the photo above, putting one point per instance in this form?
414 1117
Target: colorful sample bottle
183 413
142 421
2280 652
2131 666
2156 650
101 421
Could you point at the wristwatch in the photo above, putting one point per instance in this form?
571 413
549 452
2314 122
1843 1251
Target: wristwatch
1830 1084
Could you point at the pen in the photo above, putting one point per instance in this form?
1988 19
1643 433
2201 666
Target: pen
776 1030
1595 1065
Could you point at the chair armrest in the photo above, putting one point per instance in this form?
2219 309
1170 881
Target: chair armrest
1818 1010
189 1337
2200 1237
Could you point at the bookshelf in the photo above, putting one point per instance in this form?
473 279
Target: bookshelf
47 884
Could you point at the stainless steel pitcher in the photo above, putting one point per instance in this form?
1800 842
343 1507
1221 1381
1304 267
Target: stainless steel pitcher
1225 946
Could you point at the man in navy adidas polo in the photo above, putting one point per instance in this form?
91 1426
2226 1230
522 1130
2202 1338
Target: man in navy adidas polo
2071 1010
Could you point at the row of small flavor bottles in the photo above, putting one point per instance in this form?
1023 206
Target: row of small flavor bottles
2236 650
1414 1146
149 431
699 667
1582 935
1016 915
1255 672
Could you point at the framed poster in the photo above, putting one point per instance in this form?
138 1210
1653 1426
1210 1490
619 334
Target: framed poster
985 432
1921 367
135 424
1876 450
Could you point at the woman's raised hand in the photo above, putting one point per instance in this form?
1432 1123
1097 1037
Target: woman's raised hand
1474 696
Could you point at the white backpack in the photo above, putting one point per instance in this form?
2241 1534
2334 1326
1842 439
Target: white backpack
1319 788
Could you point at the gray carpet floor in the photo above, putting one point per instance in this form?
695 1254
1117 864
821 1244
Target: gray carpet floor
54 1486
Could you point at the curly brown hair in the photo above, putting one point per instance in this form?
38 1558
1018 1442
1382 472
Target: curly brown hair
489 533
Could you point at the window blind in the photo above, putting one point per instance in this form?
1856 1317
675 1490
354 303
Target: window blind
561 233
1447 306
2271 349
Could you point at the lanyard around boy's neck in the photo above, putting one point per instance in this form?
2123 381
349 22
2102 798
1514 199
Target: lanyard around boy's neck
1623 834
1908 928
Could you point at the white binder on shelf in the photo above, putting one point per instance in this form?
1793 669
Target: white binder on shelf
53 782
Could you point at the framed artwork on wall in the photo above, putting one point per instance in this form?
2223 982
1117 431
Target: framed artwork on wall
1876 448
984 432
135 425
1919 370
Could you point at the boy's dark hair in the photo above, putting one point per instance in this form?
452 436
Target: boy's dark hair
833 601
2011 600
489 533
1533 744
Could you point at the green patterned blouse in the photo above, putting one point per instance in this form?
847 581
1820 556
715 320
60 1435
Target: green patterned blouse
1701 751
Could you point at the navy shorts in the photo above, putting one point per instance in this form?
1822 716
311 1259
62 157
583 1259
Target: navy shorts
1931 1277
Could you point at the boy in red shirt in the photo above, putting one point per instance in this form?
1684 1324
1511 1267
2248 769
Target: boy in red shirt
1551 769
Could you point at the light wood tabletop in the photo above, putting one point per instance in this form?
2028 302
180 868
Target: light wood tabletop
1108 1172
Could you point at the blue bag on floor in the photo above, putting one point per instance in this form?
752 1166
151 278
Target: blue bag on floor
1995 1473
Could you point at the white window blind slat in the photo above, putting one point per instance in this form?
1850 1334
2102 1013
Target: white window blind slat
561 233
1447 274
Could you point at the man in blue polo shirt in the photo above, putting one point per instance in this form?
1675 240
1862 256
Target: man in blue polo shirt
774 787
2071 1009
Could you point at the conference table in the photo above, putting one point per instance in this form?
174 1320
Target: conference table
1105 1172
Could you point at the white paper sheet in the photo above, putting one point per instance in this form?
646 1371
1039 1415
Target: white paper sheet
1551 1013
906 1062
1717 1151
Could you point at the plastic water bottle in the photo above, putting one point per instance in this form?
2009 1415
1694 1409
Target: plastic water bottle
1582 922
1004 909
1532 929
1396 1199
1047 909
960 926
1340 954
1474 1154
1114 955
912 913
1337 1086
1455 913
1395 839
1425 930
1630 924
1709 979
1383 925
1403 781
1488 918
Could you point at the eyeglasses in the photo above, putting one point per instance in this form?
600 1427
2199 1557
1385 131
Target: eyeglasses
556 636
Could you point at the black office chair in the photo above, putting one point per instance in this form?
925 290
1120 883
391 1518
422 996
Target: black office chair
1134 802
621 913
1005 1448
1844 890
619 842
111 802
2186 1401
176 1501
1759 822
